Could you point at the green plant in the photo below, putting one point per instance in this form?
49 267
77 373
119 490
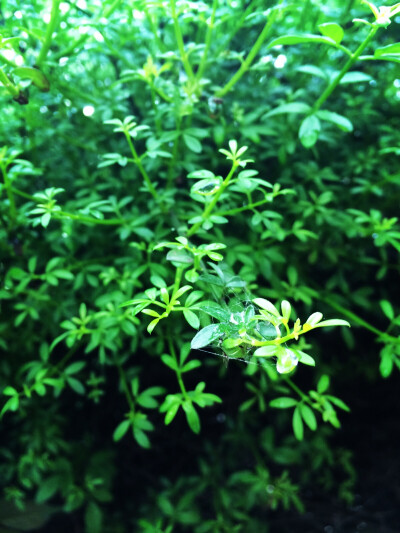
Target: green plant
130 262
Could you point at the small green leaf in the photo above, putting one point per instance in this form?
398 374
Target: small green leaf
33 74
299 39
192 417
332 322
355 77
266 351
10 391
283 403
323 384
93 518
286 309
390 49
121 430
340 121
309 131
191 318
332 30
206 336
308 416
267 305
297 422
169 361
387 309
170 414
192 143
290 108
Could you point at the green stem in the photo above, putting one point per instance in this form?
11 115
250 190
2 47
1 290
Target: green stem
297 390
349 63
11 88
10 195
160 45
179 40
178 277
244 208
49 32
75 44
178 371
125 387
141 168
90 220
252 54
207 41
208 210
175 151
355 318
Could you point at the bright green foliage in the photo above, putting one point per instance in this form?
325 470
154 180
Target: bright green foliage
182 181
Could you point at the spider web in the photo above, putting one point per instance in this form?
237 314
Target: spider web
236 298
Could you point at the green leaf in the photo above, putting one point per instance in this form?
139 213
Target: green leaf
386 364
192 143
33 74
266 351
291 108
121 430
158 281
47 489
297 423
170 414
340 121
76 385
74 368
93 518
390 49
323 384
169 361
304 358
11 404
332 322
215 310
299 39
355 77
309 131
332 30
308 416
10 391
338 402
191 416
283 403
191 318
387 309
286 309
206 336
141 438
267 305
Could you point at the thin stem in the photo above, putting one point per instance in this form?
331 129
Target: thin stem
160 45
252 54
175 151
244 208
360 321
178 277
329 90
49 32
296 389
179 39
207 41
10 195
75 44
125 387
141 168
208 210
178 371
